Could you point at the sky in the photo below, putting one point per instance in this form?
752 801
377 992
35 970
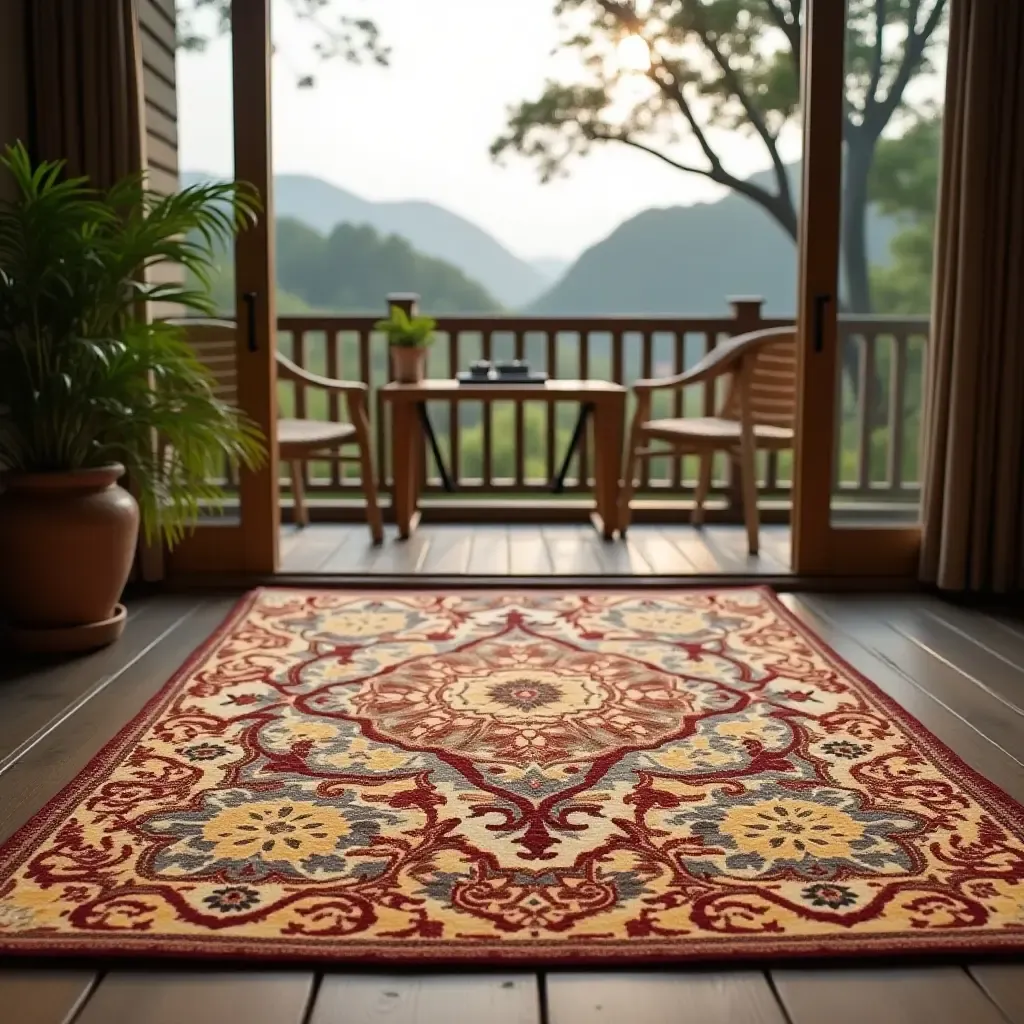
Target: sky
421 128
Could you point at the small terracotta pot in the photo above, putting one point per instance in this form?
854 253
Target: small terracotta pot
408 365
67 542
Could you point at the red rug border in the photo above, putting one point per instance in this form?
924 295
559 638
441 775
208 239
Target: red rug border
526 952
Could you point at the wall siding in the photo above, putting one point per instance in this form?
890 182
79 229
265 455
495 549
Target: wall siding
156 35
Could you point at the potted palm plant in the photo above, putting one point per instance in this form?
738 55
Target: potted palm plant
409 337
88 384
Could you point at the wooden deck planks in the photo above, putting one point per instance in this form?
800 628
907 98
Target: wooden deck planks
489 549
953 688
46 767
923 995
608 997
1004 985
43 995
434 999
35 693
210 997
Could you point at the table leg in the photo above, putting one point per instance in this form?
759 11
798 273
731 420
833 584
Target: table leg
608 426
404 429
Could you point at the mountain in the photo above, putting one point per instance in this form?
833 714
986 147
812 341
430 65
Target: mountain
551 269
430 229
351 270
690 259
354 267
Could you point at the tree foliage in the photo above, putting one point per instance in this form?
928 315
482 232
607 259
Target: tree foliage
352 270
334 34
904 183
725 65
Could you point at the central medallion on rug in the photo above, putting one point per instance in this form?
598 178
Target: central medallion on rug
538 777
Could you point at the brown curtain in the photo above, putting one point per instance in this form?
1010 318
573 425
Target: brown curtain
973 502
87 108
86 87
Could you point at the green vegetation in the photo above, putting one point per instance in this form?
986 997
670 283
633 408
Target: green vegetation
352 270
84 379
733 65
404 331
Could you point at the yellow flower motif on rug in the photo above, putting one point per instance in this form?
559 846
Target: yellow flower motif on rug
542 777
271 830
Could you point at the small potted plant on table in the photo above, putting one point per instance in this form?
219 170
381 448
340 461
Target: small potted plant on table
409 337
88 383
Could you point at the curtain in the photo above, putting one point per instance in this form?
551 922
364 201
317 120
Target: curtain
973 489
87 108
86 92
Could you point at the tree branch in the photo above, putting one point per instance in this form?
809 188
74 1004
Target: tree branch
667 82
791 28
603 136
754 115
876 58
912 53
717 174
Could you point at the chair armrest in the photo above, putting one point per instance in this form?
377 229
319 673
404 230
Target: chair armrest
292 371
719 360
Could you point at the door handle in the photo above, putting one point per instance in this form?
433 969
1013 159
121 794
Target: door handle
249 298
820 305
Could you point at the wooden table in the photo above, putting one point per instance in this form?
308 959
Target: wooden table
606 401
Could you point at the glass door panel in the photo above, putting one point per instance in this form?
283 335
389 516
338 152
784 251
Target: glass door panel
871 135
245 539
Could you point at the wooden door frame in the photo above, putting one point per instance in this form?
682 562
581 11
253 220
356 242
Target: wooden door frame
259 494
249 543
819 548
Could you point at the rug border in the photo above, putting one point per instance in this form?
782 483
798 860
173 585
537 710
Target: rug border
525 952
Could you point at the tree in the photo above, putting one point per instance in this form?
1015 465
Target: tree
726 64
904 183
334 35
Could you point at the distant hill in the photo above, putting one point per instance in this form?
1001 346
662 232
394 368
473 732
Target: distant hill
354 267
427 227
551 269
351 269
689 259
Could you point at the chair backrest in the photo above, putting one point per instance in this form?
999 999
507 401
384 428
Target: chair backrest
771 384
213 342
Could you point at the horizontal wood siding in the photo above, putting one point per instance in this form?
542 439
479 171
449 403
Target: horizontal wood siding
156 34
156 37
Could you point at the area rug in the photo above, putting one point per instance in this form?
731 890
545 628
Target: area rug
541 777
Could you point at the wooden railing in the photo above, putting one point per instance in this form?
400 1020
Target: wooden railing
504 451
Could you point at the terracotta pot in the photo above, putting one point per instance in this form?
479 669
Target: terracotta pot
67 541
408 365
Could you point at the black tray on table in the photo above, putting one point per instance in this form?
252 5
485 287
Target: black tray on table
493 377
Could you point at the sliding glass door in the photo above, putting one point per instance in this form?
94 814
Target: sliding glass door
871 136
243 363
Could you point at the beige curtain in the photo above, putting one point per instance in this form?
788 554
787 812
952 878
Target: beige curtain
86 87
973 502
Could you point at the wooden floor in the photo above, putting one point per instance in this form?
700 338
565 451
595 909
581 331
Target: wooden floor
960 673
562 550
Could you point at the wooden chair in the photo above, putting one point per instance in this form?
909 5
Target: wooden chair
298 441
758 412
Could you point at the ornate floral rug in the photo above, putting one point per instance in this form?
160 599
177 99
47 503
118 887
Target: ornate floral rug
540 777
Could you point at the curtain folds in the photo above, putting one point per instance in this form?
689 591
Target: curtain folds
86 87
87 107
973 500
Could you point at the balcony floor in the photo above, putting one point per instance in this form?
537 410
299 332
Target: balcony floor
560 550
956 670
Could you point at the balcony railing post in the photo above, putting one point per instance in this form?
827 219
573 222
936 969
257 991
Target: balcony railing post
407 302
746 315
